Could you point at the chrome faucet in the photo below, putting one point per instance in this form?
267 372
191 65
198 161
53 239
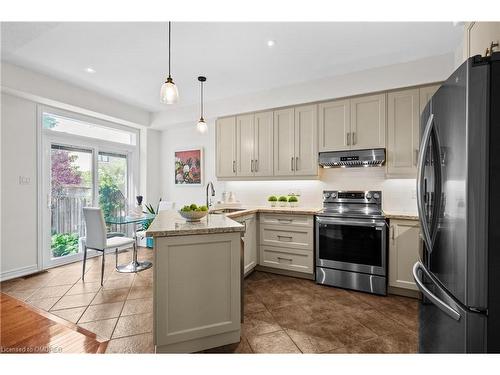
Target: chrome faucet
210 185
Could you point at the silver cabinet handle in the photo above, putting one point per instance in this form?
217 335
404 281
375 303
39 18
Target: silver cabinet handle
296 163
392 231
289 259
416 156
285 221
289 237
251 166
353 138
255 166
348 138
292 163
234 166
441 305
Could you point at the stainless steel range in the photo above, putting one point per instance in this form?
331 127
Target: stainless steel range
351 241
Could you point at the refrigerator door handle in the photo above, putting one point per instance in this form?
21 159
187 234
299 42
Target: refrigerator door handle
441 305
420 182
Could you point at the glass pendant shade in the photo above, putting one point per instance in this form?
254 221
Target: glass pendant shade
201 126
169 93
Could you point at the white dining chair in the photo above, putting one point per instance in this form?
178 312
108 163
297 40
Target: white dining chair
97 239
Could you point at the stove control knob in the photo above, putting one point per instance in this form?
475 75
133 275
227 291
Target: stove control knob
376 195
334 195
326 195
368 196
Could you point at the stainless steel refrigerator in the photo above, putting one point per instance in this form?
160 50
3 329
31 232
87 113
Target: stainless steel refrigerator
458 196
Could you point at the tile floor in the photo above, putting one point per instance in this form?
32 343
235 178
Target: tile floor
119 311
282 314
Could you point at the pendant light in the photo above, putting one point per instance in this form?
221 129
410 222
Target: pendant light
202 125
169 93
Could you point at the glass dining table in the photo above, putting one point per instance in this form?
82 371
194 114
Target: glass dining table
120 221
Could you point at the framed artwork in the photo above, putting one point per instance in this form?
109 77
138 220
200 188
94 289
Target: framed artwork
188 167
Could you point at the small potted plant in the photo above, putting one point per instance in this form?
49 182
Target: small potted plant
283 201
293 201
272 200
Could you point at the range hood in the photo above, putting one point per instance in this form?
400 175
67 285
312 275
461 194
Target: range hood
352 158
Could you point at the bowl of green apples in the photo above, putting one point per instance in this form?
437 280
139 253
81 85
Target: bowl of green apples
193 212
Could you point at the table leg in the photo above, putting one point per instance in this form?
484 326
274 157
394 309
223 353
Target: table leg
134 266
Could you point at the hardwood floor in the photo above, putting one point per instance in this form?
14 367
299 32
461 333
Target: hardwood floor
25 329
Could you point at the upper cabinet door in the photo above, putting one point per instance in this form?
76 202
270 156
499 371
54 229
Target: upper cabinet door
245 145
368 122
426 95
284 142
226 146
306 140
402 132
334 125
479 36
263 144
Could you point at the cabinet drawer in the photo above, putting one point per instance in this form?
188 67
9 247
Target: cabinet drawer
292 237
295 220
287 259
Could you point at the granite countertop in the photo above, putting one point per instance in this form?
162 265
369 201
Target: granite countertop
401 215
274 210
310 211
171 223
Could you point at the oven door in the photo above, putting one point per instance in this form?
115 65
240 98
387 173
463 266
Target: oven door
357 245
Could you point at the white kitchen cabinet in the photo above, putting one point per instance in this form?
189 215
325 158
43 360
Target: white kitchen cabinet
196 292
334 125
403 121
284 141
352 124
479 36
296 141
404 108
306 140
425 94
226 146
245 141
250 242
263 144
368 122
286 242
254 144
403 252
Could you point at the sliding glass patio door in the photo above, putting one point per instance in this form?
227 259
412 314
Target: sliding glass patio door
71 188
77 175
85 162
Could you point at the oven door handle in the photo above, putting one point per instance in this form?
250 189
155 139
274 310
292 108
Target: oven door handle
362 223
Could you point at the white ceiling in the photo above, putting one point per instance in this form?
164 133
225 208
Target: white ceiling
131 59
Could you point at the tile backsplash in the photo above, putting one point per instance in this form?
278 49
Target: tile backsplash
398 195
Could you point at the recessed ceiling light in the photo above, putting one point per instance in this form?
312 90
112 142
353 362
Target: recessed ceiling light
90 70
271 43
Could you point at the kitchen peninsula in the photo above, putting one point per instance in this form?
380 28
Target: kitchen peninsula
197 282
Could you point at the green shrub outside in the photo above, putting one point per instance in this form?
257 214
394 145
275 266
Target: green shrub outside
64 244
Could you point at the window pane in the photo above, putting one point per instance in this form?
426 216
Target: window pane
112 172
71 190
67 125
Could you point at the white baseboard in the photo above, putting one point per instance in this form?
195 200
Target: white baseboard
18 272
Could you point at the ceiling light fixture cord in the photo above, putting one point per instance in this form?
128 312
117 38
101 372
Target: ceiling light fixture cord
169 32
201 99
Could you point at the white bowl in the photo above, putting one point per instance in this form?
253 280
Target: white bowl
193 215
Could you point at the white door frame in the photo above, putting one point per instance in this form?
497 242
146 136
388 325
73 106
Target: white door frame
46 139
